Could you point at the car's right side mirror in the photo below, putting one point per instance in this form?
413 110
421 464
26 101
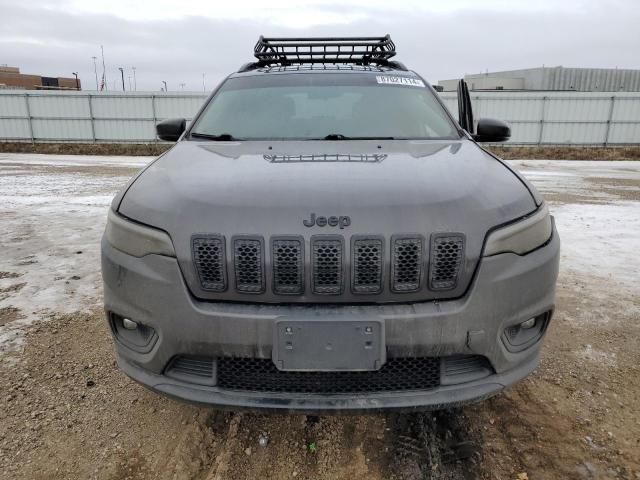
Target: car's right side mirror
492 130
171 129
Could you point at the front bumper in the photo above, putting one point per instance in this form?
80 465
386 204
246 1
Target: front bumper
507 290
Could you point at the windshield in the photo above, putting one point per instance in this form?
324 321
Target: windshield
318 106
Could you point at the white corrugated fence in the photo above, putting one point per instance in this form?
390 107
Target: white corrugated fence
583 118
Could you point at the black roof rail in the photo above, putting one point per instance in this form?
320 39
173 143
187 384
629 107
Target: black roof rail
334 50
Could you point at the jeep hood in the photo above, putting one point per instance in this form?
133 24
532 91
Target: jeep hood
269 189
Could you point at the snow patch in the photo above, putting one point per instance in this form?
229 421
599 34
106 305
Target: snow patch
604 359
601 240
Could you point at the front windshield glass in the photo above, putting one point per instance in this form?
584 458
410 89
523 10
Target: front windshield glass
316 106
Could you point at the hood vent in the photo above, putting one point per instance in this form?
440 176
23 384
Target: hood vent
373 158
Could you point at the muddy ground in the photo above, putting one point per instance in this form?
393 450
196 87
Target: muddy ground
67 412
557 152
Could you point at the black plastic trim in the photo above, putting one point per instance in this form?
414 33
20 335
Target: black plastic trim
383 261
222 240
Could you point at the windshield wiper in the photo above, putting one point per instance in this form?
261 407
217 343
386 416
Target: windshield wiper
339 136
223 137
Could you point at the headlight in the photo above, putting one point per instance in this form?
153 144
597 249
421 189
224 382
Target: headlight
521 237
135 239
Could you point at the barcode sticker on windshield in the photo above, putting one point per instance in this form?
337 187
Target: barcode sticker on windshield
391 80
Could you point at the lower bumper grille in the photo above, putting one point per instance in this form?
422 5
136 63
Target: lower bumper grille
261 375
403 374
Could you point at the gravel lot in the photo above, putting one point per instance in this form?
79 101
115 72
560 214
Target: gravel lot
67 412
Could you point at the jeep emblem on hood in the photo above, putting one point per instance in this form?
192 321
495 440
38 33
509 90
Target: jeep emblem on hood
341 221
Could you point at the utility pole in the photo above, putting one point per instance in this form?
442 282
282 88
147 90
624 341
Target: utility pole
77 82
165 85
95 70
135 83
122 74
104 70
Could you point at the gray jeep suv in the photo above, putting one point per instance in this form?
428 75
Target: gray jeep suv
325 236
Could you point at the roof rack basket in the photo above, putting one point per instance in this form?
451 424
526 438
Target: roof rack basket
357 50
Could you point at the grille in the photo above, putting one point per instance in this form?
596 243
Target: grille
191 365
328 273
460 364
209 259
261 375
447 253
288 266
193 369
366 267
406 264
248 264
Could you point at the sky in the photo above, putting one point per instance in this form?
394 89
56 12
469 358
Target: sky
185 42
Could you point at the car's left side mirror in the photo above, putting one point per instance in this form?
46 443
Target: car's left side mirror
492 130
171 129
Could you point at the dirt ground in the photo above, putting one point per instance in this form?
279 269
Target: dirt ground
557 152
67 412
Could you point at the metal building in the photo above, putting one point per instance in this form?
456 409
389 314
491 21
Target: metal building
553 78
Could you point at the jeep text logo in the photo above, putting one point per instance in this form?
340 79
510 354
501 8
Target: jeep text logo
324 221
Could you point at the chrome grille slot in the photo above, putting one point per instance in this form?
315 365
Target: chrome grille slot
248 261
447 254
366 266
327 265
287 263
406 263
209 260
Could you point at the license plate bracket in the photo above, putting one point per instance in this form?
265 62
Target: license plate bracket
329 345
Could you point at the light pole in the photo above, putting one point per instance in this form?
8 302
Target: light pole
165 85
122 74
104 70
95 70
204 88
135 83
77 82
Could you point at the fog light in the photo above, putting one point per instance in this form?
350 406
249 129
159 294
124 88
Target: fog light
526 325
129 324
136 336
521 336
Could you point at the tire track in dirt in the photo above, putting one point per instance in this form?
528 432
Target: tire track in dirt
193 450
434 445
301 446
221 464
